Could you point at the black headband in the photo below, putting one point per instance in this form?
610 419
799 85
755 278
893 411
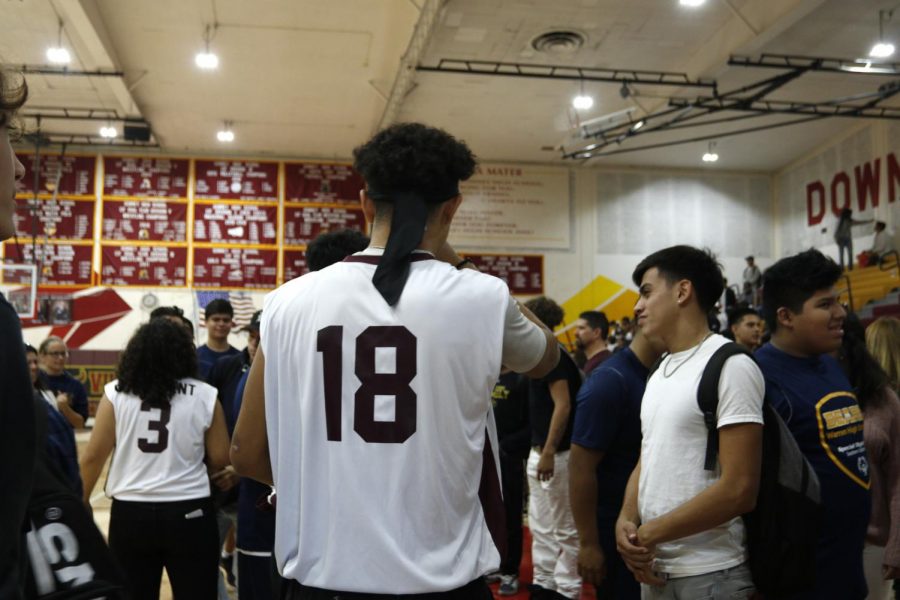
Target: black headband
407 228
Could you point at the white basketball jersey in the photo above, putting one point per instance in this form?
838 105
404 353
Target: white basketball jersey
378 425
159 451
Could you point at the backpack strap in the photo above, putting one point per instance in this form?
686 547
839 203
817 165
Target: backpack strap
656 365
708 397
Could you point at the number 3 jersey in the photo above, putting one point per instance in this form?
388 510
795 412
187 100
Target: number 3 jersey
159 451
377 421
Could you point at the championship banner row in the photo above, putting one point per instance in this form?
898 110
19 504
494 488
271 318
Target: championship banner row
71 265
150 177
155 220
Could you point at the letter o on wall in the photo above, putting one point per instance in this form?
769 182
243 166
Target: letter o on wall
840 180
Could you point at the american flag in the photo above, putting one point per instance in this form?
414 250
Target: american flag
240 301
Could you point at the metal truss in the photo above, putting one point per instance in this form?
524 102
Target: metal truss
623 76
50 138
747 102
65 71
78 114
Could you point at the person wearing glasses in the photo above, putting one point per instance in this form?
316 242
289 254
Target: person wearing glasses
71 397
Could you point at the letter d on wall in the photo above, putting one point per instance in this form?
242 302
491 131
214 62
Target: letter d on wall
815 203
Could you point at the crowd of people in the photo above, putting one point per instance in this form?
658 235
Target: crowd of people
378 434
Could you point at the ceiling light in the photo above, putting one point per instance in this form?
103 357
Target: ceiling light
881 50
108 132
710 156
638 125
225 134
58 55
582 102
207 60
691 3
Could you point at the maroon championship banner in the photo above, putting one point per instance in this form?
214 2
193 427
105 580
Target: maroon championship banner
294 264
145 177
318 182
303 223
235 268
236 224
144 220
76 178
58 264
61 219
144 265
236 180
524 274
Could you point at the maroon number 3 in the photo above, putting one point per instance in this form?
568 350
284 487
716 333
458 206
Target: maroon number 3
396 384
159 426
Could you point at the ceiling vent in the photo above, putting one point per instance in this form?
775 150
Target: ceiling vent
558 42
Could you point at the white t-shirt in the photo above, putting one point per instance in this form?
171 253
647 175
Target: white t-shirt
674 448
159 452
379 423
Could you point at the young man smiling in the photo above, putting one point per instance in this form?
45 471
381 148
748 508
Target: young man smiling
812 394
219 318
680 530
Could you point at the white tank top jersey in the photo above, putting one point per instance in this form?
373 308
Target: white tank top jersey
159 451
379 424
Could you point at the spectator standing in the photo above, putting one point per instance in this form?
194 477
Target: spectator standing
843 236
686 517
813 396
551 400
606 445
591 333
70 394
219 319
752 278
164 428
881 431
745 327
17 407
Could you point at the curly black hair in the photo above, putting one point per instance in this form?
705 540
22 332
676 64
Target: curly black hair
793 280
412 156
334 246
548 311
700 267
157 357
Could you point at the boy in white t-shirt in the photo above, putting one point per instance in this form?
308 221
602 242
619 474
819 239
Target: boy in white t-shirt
680 530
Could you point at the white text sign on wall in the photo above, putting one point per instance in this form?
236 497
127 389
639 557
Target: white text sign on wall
514 206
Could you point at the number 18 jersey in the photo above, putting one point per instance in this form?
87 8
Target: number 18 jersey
377 421
159 450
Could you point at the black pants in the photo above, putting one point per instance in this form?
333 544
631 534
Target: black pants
475 590
180 536
512 476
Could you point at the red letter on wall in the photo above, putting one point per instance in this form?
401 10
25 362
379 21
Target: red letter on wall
893 177
868 183
840 179
815 203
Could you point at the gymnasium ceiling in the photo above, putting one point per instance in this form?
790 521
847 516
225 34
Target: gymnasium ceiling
314 78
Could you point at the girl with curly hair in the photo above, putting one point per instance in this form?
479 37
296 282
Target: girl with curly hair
161 424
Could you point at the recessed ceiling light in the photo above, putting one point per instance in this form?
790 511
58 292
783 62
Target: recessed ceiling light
691 3
582 102
58 55
881 50
206 61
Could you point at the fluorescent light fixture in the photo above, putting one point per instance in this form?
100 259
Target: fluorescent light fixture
207 61
225 135
108 132
582 102
881 50
58 55
691 3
